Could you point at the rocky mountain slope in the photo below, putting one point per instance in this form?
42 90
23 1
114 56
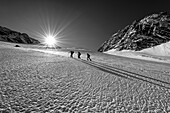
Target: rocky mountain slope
16 37
151 31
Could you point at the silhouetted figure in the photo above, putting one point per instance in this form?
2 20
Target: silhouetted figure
88 57
79 54
71 53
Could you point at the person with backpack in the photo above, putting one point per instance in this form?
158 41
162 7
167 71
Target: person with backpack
88 57
71 54
79 54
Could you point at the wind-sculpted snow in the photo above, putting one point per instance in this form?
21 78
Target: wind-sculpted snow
127 74
35 82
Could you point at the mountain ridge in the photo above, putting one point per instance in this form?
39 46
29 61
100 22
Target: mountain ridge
9 35
148 32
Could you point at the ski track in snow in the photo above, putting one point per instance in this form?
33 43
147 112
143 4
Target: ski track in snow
126 74
36 82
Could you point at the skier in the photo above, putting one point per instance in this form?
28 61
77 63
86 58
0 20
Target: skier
79 54
88 57
72 52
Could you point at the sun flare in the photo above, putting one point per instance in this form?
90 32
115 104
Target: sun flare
50 40
52 33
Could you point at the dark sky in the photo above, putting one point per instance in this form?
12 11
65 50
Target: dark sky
85 23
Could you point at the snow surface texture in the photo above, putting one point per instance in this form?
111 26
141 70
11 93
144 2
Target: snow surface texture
36 82
160 53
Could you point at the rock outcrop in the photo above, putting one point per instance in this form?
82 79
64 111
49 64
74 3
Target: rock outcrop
15 37
151 31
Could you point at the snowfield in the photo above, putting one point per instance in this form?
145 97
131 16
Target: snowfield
160 50
38 80
160 53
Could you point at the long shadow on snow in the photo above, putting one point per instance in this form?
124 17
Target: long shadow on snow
127 72
124 74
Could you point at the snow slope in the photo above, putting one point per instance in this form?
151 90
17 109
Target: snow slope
35 81
160 50
160 53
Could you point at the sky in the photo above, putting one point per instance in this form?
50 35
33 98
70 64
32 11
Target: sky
77 23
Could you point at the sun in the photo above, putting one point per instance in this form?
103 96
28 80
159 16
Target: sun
53 34
50 40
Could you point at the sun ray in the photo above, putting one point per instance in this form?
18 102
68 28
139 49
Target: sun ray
54 33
